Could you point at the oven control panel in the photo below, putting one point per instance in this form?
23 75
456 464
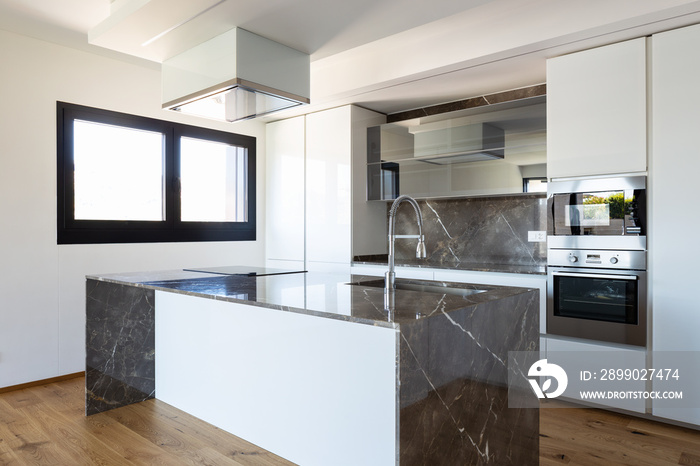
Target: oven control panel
604 259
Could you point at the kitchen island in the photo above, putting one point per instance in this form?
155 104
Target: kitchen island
313 368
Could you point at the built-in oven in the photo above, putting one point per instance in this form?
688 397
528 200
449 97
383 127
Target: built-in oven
596 259
598 295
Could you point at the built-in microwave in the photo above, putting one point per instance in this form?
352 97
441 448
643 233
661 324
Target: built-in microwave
600 213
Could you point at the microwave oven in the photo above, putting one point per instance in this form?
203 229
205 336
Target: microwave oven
600 213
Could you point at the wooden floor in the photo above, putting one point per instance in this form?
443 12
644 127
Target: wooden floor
46 425
578 436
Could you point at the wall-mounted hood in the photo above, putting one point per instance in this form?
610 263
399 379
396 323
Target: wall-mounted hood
459 144
439 144
236 76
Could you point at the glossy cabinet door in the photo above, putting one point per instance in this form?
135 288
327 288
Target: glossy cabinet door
328 190
312 162
284 187
674 222
334 139
597 111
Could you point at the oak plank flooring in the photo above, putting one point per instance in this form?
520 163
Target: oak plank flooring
46 425
587 436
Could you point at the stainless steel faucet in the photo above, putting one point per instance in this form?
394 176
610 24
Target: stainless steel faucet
389 277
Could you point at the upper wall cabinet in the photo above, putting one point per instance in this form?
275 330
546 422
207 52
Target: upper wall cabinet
597 111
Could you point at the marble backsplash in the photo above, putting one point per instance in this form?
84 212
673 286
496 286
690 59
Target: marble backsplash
477 230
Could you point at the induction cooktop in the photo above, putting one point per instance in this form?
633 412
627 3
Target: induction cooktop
244 270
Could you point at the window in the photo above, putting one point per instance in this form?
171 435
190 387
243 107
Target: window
535 185
130 179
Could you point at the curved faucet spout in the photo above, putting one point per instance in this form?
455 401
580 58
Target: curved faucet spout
389 280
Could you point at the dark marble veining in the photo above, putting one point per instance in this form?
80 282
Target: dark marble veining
119 344
452 361
482 233
454 397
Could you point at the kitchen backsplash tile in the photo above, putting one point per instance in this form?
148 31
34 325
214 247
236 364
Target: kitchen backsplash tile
477 230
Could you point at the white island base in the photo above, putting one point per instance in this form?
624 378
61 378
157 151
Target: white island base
315 391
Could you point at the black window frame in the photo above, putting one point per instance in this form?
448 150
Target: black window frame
172 229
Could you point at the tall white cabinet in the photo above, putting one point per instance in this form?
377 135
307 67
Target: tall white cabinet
309 193
597 111
285 195
674 171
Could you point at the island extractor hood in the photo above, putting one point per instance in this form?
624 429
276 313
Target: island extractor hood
236 76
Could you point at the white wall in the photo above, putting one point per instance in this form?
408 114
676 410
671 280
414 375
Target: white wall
42 304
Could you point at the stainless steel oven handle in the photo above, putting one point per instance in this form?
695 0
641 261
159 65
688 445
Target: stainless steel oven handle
595 275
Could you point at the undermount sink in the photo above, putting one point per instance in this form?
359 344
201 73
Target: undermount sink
433 287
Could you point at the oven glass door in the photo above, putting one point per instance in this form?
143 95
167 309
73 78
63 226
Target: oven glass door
597 213
601 297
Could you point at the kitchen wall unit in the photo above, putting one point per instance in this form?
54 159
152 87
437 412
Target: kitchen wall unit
597 111
310 192
674 168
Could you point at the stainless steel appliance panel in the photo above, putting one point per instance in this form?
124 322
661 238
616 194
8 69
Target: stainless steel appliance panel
598 258
606 213
598 304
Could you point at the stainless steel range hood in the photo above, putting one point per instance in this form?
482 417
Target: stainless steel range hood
439 144
236 76
459 144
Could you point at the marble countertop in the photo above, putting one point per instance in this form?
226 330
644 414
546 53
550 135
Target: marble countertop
347 297
532 269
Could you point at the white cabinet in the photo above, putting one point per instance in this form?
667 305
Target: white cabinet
674 222
309 219
284 209
328 189
575 356
597 111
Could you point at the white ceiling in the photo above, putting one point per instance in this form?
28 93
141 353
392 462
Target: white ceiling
387 55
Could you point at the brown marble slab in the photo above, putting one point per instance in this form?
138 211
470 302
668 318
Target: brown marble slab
119 346
480 233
